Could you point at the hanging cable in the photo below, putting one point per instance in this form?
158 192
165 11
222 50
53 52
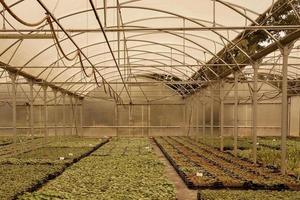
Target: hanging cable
57 41
19 19
110 49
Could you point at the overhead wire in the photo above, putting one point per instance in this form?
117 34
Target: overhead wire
47 19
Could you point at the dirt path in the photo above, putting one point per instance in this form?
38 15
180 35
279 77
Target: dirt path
182 192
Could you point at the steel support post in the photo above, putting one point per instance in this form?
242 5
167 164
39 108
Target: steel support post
143 120
184 118
211 113
235 143
129 119
13 78
254 111
54 111
116 119
45 111
105 12
64 114
81 118
71 114
221 117
203 119
197 118
284 113
119 33
31 122
75 113
149 119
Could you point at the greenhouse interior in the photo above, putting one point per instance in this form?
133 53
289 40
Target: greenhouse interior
150 99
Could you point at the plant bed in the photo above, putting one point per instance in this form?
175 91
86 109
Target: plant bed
75 142
188 169
26 146
114 176
261 177
32 170
270 157
54 153
7 140
16 178
247 194
225 170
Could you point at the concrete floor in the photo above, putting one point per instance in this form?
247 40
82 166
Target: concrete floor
182 192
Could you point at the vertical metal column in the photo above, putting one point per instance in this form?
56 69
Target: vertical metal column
211 113
72 115
221 118
81 118
64 114
105 12
55 110
118 33
129 119
142 120
203 119
197 118
31 123
116 120
184 118
45 111
149 118
75 113
254 112
284 113
235 143
13 78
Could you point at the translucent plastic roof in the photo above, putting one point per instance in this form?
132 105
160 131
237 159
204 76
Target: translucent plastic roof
147 39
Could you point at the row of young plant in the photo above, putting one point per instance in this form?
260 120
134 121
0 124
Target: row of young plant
193 174
25 146
268 152
29 170
221 169
247 194
7 140
258 175
121 169
245 143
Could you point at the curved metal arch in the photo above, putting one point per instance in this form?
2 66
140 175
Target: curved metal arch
278 72
166 12
149 77
139 58
177 90
180 16
170 13
128 40
189 34
100 43
103 54
242 7
134 58
201 46
229 5
170 45
109 60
